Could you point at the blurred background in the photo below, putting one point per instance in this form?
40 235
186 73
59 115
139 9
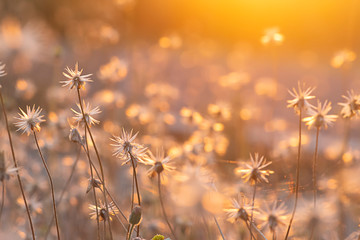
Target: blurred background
205 80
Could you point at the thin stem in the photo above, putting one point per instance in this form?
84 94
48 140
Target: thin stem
86 149
273 236
97 155
137 189
297 178
163 208
51 185
2 197
248 226
107 191
314 165
257 230
218 226
252 210
16 166
67 184
112 199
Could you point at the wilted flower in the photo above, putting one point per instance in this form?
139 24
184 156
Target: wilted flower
254 172
239 210
93 183
103 213
29 121
159 163
126 148
351 107
300 98
2 70
319 117
88 112
75 136
5 171
75 78
273 218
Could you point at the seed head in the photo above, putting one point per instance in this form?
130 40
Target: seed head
2 70
29 121
5 171
239 210
158 163
319 117
104 215
88 112
74 78
300 98
351 107
75 136
255 172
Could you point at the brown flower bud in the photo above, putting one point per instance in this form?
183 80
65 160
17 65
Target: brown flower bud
135 216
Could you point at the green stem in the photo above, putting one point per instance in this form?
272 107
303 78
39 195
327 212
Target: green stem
131 229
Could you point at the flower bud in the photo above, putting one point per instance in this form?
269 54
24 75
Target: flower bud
135 216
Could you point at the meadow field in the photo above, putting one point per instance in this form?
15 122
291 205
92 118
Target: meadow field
180 120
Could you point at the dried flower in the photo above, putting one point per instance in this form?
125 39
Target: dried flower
351 107
5 171
29 121
159 163
75 78
103 214
254 171
319 117
93 183
273 218
88 114
126 148
135 216
75 136
238 211
300 98
2 70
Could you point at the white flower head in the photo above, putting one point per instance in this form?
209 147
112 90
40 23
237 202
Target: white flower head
301 98
351 107
29 121
88 112
319 117
104 215
2 70
255 172
239 210
159 163
74 78
126 149
273 218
